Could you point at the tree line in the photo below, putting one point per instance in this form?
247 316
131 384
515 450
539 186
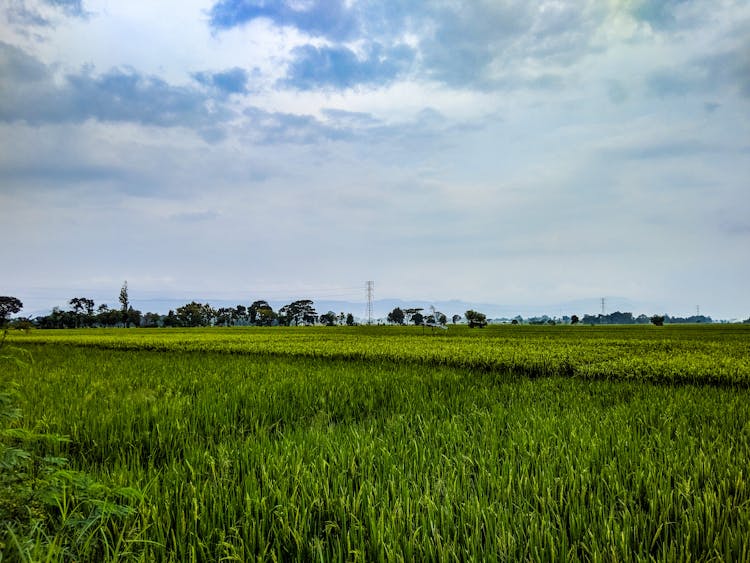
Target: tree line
434 319
83 313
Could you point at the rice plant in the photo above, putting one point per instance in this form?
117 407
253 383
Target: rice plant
390 445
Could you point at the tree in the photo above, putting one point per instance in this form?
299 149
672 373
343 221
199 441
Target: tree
254 309
349 320
476 319
83 309
224 316
657 320
328 319
396 316
456 318
124 303
442 320
107 317
171 320
417 318
409 314
9 306
151 320
297 312
195 314
134 317
266 316
240 314
574 320
124 300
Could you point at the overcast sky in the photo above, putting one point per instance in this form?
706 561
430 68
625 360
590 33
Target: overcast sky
506 151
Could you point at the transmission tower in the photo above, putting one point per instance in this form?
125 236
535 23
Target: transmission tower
370 287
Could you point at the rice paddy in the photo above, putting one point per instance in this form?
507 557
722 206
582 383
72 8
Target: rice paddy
391 444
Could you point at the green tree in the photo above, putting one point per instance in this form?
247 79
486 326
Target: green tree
239 314
151 320
328 319
301 311
255 308
476 319
409 314
657 320
224 316
171 320
396 316
83 309
349 319
134 317
8 306
195 314
124 303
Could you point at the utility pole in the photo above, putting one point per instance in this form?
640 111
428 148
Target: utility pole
370 288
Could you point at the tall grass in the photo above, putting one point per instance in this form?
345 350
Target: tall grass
297 458
717 355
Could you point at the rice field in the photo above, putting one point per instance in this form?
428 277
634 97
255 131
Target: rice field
389 444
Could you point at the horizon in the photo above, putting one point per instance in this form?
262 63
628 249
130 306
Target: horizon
517 152
161 304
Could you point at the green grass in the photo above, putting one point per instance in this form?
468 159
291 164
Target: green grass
389 444
717 354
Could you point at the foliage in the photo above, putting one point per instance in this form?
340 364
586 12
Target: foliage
396 316
476 319
657 320
329 318
297 312
8 306
196 314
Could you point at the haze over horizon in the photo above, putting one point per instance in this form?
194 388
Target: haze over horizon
512 153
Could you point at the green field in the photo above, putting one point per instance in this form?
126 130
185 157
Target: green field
386 444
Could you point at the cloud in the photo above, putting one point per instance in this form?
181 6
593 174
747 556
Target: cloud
328 18
42 13
462 45
195 216
232 81
674 150
659 14
119 95
69 7
339 67
722 71
19 13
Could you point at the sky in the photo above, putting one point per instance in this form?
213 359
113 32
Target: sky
509 152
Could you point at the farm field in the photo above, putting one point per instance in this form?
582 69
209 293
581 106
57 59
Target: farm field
388 444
